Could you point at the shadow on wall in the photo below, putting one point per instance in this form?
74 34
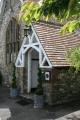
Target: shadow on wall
1 78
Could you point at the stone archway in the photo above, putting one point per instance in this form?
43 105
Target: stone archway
7 18
3 29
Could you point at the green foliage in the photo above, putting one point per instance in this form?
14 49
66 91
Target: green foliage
61 10
29 12
70 26
39 90
73 56
14 84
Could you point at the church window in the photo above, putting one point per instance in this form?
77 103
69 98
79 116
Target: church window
12 41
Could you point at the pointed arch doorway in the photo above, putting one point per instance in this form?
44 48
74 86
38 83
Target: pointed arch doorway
32 64
32 55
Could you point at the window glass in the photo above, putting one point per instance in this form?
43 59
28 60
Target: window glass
12 40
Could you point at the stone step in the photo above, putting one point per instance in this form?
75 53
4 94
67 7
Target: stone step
5 114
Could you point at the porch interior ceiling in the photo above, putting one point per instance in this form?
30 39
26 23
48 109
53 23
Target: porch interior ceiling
54 44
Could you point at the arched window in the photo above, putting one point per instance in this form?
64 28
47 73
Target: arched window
12 41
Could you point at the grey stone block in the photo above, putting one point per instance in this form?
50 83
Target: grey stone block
5 114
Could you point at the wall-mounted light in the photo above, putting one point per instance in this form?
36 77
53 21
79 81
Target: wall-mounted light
27 31
47 75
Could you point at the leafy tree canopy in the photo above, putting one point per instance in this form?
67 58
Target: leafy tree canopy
65 11
73 56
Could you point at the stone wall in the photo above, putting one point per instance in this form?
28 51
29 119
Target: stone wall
64 86
4 68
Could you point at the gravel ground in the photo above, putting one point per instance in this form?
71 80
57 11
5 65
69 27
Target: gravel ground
28 112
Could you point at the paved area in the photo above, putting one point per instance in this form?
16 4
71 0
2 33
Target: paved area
27 112
72 116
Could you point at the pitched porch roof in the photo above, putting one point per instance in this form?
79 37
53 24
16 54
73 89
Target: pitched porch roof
55 44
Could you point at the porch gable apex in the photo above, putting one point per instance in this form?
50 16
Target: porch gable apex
32 42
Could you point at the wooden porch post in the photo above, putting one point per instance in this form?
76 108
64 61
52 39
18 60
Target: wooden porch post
29 72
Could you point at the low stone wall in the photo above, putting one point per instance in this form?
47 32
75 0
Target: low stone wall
64 87
72 116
